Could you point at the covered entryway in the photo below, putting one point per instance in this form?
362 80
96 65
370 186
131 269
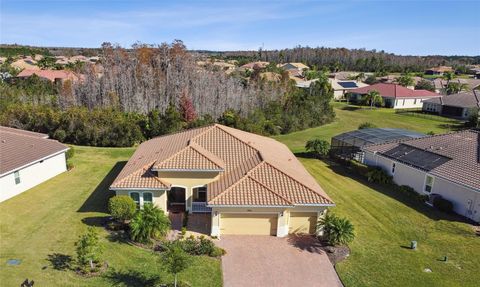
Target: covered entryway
303 222
247 223
176 199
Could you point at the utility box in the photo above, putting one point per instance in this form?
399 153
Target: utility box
413 245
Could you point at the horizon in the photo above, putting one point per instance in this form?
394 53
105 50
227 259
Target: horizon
248 26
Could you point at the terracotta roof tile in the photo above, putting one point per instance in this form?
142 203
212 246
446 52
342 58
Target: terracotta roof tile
395 91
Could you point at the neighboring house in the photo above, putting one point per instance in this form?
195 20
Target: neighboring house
395 96
51 75
249 184
460 105
447 165
441 84
301 83
250 66
440 70
27 63
349 145
342 87
298 67
27 159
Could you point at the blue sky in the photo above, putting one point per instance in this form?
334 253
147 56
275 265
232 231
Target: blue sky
402 27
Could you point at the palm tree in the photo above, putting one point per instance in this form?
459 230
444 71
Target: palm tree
149 223
448 76
336 230
373 97
360 76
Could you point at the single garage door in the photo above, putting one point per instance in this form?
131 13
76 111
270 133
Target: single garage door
247 223
303 222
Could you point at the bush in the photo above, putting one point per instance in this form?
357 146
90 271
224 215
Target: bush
217 252
195 246
122 207
378 175
336 230
60 135
366 125
410 192
443 204
70 153
88 250
319 147
70 165
149 223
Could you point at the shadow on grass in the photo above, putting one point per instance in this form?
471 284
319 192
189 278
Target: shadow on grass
60 261
422 208
98 200
351 108
98 221
132 278
453 127
305 243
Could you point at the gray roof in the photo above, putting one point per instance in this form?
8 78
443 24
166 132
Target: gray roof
462 149
369 136
19 148
463 100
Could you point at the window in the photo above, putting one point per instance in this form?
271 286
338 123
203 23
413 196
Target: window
428 183
393 168
136 197
200 194
147 197
17 177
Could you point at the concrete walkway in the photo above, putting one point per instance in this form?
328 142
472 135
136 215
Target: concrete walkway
273 261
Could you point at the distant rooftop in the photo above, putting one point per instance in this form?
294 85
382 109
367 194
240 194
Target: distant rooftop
370 136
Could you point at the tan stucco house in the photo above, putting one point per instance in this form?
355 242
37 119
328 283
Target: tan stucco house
250 184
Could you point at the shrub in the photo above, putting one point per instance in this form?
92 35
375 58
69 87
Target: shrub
336 230
319 147
443 204
70 165
88 250
378 175
60 135
196 246
149 223
366 125
205 246
70 153
122 207
217 252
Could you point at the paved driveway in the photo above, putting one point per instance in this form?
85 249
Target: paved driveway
272 261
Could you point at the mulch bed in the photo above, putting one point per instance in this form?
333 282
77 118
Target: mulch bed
336 253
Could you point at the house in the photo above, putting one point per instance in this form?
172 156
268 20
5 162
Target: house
441 84
248 184
349 145
25 63
447 165
27 159
298 67
342 87
460 105
50 75
440 70
395 96
252 65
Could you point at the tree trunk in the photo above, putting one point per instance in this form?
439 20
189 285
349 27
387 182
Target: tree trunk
175 280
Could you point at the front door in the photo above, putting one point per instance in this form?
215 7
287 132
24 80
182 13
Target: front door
176 199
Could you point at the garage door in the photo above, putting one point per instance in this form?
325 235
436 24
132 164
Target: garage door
246 223
303 222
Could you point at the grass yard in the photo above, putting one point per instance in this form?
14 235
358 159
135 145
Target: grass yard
40 227
350 117
385 222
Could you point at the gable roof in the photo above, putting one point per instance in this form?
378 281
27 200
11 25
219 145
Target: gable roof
254 170
395 91
50 75
457 155
299 66
19 148
462 100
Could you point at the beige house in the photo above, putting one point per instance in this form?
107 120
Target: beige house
249 184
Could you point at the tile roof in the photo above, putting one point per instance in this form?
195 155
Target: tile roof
395 91
50 75
256 170
463 100
462 148
19 148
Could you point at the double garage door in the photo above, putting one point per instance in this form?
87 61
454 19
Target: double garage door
266 224
246 223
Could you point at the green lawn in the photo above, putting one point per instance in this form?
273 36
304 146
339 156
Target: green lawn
350 117
44 222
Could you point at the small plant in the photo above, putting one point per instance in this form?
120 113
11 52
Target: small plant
89 251
318 147
122 207
366 125
443 204
336 230
149 223
184 231
68 156
431 133
378 175
176 260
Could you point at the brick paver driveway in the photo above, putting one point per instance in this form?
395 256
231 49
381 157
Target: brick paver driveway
272 261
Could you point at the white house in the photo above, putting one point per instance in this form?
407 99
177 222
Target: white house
395 96
27 159
447 165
